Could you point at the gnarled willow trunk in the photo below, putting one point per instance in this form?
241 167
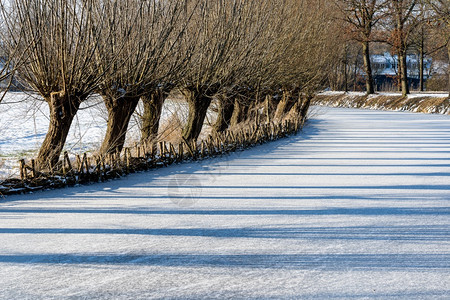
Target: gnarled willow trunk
253 112
226 107
270 104
285 105
306 103
240 112
153 104
296 109
198 107
63 109
120 111
300 108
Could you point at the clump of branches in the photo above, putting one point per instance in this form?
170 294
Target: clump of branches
61 65
297 56
13 46
146 60
212 34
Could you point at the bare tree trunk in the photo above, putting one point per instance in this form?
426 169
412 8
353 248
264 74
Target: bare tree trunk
62 113
296 109
281 107
240 113
153 104
252 111
403 73
306 103
345 63
421 58
226 107
291 101
421 70
368 68
120 111
235 117
285 105
448 70
271 106
198 107
355 74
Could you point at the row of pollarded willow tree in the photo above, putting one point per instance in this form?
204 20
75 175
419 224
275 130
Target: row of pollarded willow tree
239 52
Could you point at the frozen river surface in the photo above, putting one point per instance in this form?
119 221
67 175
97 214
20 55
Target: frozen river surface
355 207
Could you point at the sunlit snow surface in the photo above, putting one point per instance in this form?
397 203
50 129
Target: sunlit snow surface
355 207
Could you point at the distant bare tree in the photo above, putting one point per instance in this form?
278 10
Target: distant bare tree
430 36
404 20
362 16
441 10
345 70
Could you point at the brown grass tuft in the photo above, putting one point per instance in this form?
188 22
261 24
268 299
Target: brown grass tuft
170 130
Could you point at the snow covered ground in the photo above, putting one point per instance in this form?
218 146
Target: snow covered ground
355 207
427 102
412 95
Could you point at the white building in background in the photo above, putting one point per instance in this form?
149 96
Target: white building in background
385 70
387 65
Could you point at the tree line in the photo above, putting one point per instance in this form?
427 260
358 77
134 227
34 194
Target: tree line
240 53
402 26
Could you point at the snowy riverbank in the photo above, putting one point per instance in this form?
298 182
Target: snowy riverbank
433 103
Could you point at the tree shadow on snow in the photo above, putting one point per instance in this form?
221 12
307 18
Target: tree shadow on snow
323 262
